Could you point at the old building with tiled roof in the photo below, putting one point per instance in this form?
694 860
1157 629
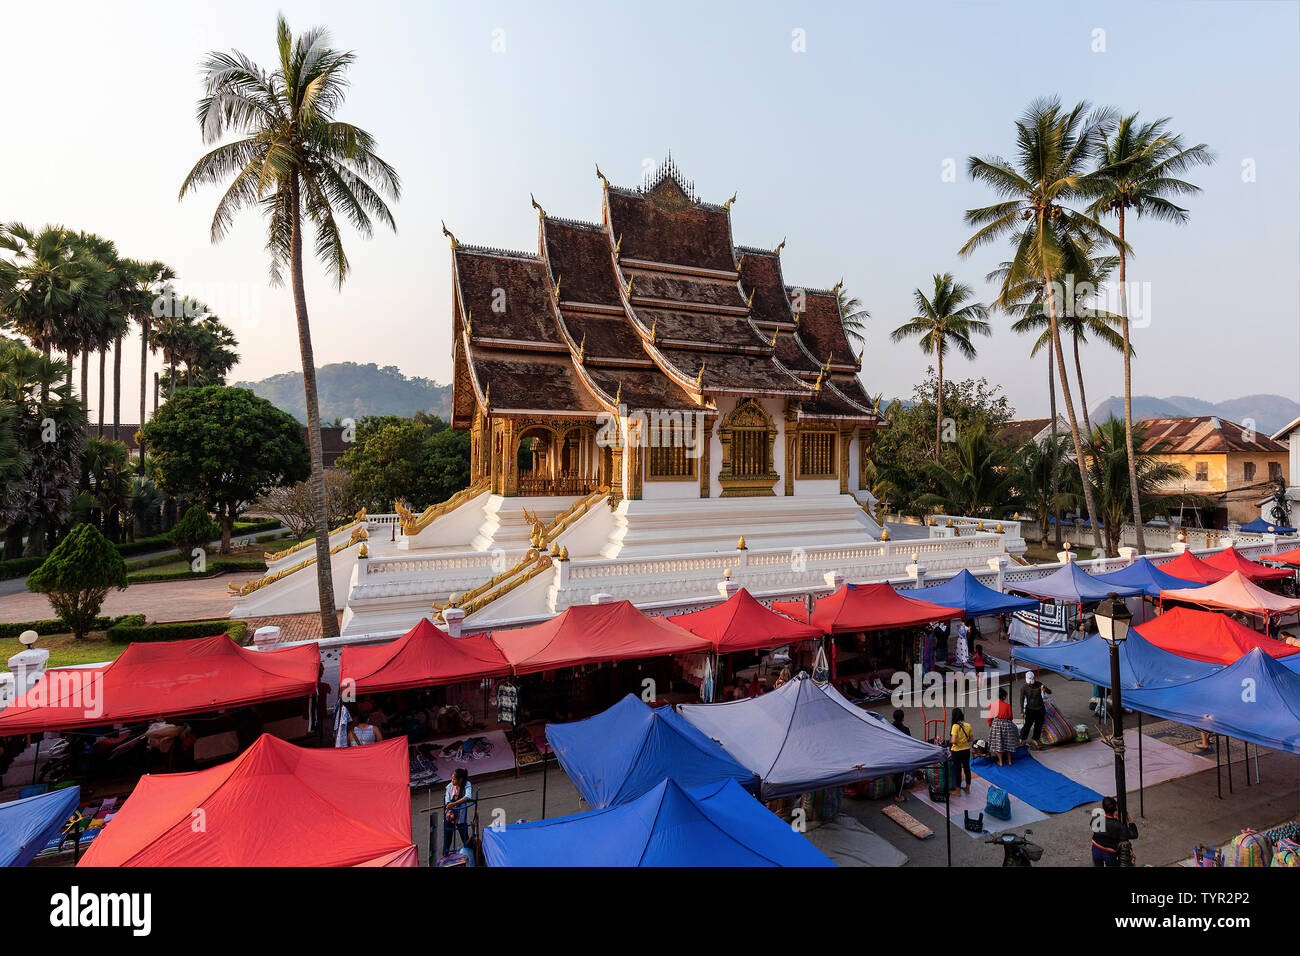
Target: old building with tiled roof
652 319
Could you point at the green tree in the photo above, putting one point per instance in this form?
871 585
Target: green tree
1053 149
224 447
1139 167
78 575
1045 481
976 481
404 459
294 157
944 318
195 529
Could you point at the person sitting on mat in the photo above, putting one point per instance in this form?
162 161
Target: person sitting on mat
960 738
1034 709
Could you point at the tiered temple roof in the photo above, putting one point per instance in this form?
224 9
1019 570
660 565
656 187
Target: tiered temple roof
654 307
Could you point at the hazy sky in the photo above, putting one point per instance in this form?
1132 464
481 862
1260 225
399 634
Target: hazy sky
840 146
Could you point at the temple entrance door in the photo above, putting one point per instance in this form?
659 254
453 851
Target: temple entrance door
558 461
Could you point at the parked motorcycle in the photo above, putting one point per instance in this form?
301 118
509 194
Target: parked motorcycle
1016 850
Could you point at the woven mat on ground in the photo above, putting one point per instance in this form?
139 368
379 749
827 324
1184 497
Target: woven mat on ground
1037 785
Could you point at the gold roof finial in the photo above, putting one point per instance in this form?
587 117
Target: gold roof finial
487 396
582 347
749 302
727 204
447 232
541 213
817 385
699 379
837 286
779 246
618 396
653 329
601 176
775 335
627 289
827 366
796 317
857 360
469 324
875 408
556 290
740 262
618 244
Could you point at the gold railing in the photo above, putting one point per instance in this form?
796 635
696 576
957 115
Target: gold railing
414 524
358 536
271 558
562 522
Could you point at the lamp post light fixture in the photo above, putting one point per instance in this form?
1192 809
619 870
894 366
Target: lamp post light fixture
1113 621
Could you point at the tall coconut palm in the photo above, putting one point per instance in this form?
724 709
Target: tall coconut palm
944 318
156 281
1140 166
853 315
1053 149
294 157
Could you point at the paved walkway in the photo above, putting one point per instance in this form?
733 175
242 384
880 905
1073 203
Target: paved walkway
204 598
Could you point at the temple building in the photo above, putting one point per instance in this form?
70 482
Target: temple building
655 413
649 354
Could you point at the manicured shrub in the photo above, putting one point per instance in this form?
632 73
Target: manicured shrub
19 567
78 575
194 530
177 631
10 631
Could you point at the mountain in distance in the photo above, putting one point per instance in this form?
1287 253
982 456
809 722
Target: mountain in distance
350 390
1269 412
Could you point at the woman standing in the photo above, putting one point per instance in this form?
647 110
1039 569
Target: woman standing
961 738
1003 736
363 732
455 804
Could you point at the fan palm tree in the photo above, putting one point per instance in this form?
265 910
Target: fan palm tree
1053 146
156 281
1140 166
944 318
292 158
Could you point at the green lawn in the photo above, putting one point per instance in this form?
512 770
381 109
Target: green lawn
64 650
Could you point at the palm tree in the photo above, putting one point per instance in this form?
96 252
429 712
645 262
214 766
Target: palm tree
1053 147
294 157
1140 165
1108 475
110 323
852 315
944 319
156 281
1042 481
976 481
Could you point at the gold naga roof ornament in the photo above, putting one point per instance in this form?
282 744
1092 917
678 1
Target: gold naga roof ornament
796 317
541 213
582 347
654 329
699 379
776 333
469 326
618 244
857 360
627 289
727 205
740 262
487 396
817 385
601 176
835 289
779 246
618 396
749 302
556 290
447 232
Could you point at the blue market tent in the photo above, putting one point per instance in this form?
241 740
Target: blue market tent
964 591
1260 526
806 736
1072 583
1256 699
27 825
1141 663
1147 576
714 825
630 748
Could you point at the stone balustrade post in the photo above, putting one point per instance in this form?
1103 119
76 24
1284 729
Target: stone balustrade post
455 620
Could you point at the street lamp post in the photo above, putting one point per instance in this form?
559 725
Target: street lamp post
1113 620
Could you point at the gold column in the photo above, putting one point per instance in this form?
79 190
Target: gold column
510 459
791 445
706 478
846 436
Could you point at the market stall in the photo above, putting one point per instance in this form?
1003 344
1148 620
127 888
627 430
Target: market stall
274 805
625 751
1230 559
716 825
1069 588
26 825
1191 568
1208 636
1235 592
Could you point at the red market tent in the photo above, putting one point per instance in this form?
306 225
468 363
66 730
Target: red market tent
1236 592
424 656
591 633
1208 636
1230 559
1191 568
273 805
1286 557
868 607
163 679
742 624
